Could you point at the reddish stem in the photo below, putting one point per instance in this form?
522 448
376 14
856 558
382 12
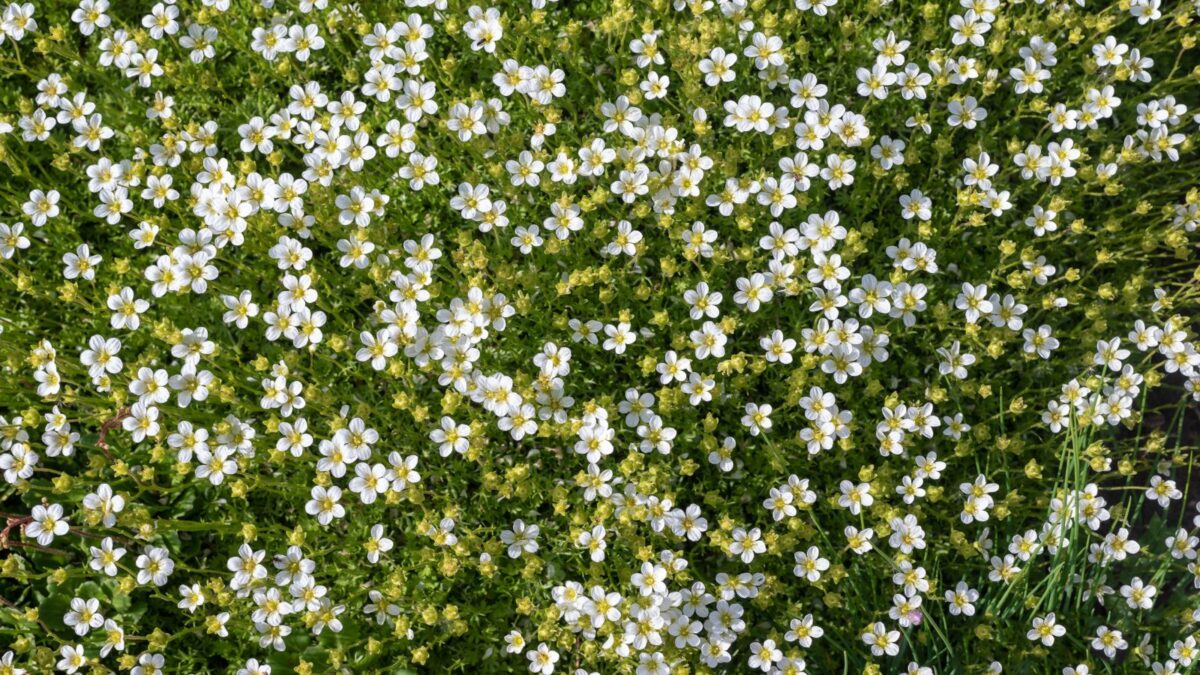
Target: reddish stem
109 424
13 521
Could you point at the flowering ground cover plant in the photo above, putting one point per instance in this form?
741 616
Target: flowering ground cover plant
599 336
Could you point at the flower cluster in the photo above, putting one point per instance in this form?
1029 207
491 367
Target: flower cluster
632 336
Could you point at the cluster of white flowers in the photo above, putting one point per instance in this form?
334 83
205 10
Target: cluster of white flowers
276 273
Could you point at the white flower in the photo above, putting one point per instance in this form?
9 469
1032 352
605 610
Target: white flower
1110 52
1109 641
777 348
154 566
810 565
718 67
838 171
106 503
594 542
46 523
753 292
961 600
191 597
882 641
1110 353
655 86
619 337
1045 629
747 543
855 497
377 348
73 658
966 113
81 263
84 615
1138 595
542 659
521 539
324 504
764 655
127 309
377 544
105 557
757 418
